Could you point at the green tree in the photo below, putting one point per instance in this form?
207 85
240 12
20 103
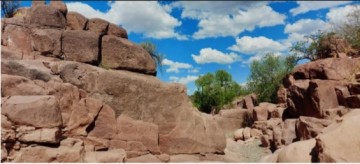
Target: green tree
8 8
310 48
266 76
214 91
350 29
155 55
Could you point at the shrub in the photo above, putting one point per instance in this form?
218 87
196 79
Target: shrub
155 55
8 8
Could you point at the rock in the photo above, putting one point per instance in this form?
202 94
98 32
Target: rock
310 127
37 3
256 133
117 31
246 133
164 157
110 156
332 148
36 111
333 46
82 115
354 88
46 154
61 6
7 130
232 119
281 96
46 17
297 152
17 37
80 46
97 25
75 21
276 140
47 41
353 101
96 144
149 158
134 130
4 153
342 92
238 134
288 134
261 112
265 125
119 53
43 135
265 140
334 113
276 112
16 85
105 124
249 102
184 158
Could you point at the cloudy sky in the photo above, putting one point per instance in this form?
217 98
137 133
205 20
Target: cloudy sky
200 37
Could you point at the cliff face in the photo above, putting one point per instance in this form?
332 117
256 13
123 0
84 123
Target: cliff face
77 90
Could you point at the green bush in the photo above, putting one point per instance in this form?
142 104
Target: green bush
266 76
214 91
155 55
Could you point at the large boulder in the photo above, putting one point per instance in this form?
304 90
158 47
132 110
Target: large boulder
231 119
36 111
98 26
61 6
46 17
310 127
110 156
249 102
17 37
119 53
296 152
75 21
117 31
80 46
332 148
47 41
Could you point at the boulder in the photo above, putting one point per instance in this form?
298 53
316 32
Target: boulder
334 113
184 158
105 124
354 88
61 6
246 133
256 133
342 92
117 31
8 134
17 37
12 85
110 156
261 112
80 46
98 26
281 96
333 46
332 148
288 134
164 157
75 21
232 119
129 129
301 151
43 135
47 41
265 140
37 3
310 127
238 134
249 102
119 53
4 153
36 111
46 17
149 158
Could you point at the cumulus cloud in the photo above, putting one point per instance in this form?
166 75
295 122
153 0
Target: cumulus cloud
306 6
145 17
183 80
307 26
209 55
257 45
175 66
195 70
229 18
338 16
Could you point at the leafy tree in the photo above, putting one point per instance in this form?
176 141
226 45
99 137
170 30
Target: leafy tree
155 55
266 76
8 8
350 29
308 49
214 91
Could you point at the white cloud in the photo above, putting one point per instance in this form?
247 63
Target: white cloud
146 17
175 66
218 19
209 55
306 6
257 45
307 26
338 16
184 80
195 70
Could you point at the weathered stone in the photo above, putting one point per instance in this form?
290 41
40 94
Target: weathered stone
17 37
98 26
37 3
288 134
310 127
164 157
110 156
7 130
46 16
246 133
37 111
119 53
249 102
117 31
43 135
75 21
232 119
12 85
353 101
297 152
256 133
342 92
184 158
80 46
61 6
238 134
149 158
105 124
47 41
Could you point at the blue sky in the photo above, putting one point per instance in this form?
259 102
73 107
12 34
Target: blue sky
200 37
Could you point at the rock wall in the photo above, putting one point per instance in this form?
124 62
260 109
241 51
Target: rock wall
76 90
